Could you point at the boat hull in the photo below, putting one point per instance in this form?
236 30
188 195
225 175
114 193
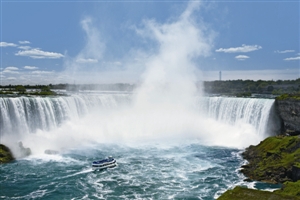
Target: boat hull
104 164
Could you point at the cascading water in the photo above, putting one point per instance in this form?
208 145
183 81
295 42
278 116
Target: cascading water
166 147
79 127
255 112
24 115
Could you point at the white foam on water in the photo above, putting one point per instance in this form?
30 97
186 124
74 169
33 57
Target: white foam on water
42 158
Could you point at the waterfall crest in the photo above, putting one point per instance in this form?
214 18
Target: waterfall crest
234 122
28 114
240 110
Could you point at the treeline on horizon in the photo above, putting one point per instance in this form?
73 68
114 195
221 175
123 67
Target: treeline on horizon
248 87
228 87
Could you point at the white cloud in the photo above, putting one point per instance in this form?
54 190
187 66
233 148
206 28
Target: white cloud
30 67
11 78
292 58
39 54
6 44
24 47
242 57
243 49
24 42
86 60
10 71
285 51
11 68
42 72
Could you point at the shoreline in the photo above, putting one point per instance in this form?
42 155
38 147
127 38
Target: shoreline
275 159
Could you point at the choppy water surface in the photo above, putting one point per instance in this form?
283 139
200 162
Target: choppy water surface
179 172
164 150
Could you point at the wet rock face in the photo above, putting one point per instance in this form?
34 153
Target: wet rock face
5 154
289 111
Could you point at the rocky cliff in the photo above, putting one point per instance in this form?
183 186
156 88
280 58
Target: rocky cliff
289 111
274 160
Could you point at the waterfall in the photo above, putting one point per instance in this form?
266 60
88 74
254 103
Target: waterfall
248 117
27 114
256 112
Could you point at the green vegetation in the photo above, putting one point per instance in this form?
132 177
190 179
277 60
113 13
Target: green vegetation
273 159
239 193
21 90
276 160
6 92
5 154
288 96
48 89
240 87
290 188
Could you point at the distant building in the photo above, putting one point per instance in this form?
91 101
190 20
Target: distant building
220 75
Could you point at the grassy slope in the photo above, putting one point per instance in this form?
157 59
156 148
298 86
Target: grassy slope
272 159
240 193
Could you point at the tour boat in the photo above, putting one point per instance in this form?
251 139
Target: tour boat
105 163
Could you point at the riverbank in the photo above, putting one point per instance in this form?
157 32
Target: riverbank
275 159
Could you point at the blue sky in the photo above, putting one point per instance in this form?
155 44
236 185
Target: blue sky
46 42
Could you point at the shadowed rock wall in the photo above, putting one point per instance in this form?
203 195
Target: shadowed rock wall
289 111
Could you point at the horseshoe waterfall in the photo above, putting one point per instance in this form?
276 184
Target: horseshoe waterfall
163 151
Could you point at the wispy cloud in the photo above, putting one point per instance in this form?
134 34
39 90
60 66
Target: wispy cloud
6 44
24 47
11 70
30 67
285 51
39 54
92 53
86 60
242 57
24 42
42 72
292 58
243 49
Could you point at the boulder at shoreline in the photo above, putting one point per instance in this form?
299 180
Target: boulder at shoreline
5 154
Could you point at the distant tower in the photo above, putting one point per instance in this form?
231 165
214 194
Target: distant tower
220 76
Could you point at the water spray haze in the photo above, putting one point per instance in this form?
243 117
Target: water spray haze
170 73
164 109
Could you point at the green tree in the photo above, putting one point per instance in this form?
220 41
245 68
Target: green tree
45 89
21 89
